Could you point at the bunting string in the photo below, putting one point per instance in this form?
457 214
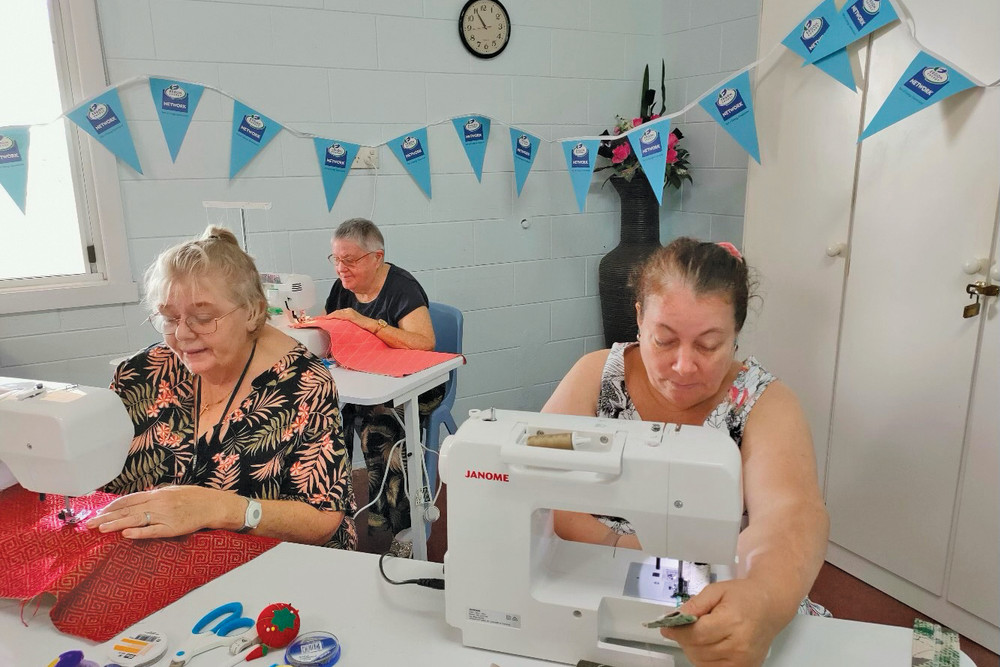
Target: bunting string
909 22
928 79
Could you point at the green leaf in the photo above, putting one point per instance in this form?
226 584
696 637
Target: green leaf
663 86
643 107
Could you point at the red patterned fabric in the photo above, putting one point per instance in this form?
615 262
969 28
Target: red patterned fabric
358 350
104 583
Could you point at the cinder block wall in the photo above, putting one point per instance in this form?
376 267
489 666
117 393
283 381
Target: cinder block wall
704 42
369 71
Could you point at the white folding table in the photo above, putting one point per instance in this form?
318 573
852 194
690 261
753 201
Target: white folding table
370 389
378 624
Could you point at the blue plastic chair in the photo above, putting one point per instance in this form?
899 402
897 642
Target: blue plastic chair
447 322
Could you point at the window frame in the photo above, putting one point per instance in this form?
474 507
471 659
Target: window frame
80 60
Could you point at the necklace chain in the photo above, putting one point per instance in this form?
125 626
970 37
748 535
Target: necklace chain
232 395
205 407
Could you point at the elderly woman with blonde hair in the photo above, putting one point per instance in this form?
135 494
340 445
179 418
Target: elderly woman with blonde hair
237 425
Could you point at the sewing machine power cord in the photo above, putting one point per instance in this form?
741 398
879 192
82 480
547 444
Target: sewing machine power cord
423 581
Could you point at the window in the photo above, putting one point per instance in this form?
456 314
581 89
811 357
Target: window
68 249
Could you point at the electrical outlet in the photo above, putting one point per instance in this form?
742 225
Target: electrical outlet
367 158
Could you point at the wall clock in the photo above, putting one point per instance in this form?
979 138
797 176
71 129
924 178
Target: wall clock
484 27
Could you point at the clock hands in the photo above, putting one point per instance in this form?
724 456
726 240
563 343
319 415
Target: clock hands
481 19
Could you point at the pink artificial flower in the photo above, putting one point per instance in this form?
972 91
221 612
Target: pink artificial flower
636 122
620 152
671 141
654 116
671 155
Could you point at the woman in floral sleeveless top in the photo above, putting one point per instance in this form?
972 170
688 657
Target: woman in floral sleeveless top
691 302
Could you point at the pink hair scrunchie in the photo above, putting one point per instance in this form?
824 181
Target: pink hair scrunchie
731 249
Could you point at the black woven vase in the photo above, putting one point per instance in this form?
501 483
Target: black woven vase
640 236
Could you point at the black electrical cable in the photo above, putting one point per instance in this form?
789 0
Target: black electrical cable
437 584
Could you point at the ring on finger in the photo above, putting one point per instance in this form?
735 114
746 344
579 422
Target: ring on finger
149 519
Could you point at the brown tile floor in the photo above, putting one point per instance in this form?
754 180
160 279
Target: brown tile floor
845 596
378 541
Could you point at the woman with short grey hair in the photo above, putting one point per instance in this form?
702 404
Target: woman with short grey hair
388 302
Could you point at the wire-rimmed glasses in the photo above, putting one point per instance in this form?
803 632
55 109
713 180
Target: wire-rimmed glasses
347 262
198 324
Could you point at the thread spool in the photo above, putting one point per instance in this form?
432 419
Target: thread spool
551 440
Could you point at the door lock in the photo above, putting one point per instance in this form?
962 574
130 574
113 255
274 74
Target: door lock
976 290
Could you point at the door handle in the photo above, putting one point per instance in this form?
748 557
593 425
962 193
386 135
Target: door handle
836 250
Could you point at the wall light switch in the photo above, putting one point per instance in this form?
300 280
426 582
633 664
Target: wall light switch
367 158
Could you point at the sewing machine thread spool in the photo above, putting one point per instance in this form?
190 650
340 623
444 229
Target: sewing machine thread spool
555 440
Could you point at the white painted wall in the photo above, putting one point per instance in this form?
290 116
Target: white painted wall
367 72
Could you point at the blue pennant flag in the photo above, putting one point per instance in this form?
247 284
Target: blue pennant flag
856 19
474 133
14 163
412 152
335 160
581 157
731 105
251 132
524 148
650 141
101 117
175 102
806 36
925 81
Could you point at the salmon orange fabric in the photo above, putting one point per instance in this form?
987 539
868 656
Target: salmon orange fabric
358 350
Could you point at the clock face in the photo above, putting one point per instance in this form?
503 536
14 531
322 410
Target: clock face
484 27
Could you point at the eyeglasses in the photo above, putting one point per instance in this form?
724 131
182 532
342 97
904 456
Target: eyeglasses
345 261
201 325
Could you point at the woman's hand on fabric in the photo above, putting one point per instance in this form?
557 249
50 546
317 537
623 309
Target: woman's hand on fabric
735 625
167 512
350 315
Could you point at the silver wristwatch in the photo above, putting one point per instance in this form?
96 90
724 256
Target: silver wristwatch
252 518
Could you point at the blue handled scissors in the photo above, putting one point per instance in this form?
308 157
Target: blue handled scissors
206 639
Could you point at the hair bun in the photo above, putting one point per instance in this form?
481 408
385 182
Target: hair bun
215 233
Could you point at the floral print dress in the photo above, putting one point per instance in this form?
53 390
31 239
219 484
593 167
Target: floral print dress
284 441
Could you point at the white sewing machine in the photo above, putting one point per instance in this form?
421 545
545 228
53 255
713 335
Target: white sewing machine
289 296
63 439
513 585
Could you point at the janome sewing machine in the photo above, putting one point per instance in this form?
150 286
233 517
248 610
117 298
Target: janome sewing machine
513 585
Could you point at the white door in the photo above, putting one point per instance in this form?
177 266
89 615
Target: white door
975 577
798 206
926 202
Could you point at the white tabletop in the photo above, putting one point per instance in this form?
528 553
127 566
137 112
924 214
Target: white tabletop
371 389
379 624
